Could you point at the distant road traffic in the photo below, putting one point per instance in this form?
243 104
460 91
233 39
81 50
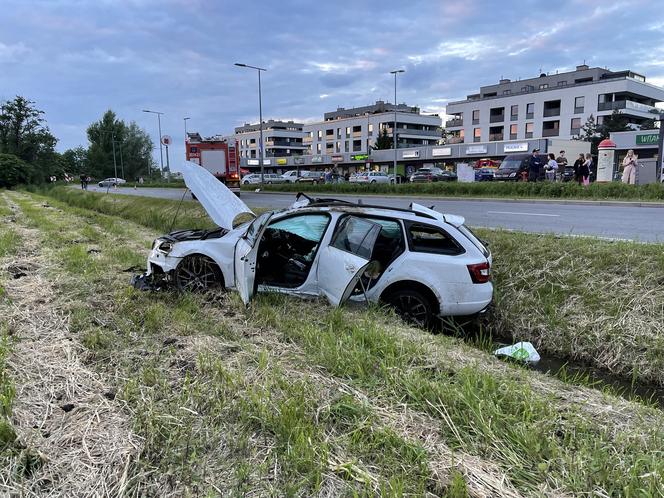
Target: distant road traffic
644 224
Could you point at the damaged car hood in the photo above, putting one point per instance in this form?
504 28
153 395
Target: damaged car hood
222 205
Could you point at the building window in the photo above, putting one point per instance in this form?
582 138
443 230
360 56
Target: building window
507 92
562 83
530 111
476 116
338 132
529 130
370 129
338 149
513 131
348 132
550 128
514 112
329 133
347 146
543 86
579 103
599 121
575 127
317 148
477 135
357 145
320 134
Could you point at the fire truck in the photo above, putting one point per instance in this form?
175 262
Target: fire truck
220 156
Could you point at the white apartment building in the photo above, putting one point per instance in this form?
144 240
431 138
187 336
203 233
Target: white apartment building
356 129
550 105
280 139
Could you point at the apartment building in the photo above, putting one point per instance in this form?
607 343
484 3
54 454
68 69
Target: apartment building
556 105
356 129
280 139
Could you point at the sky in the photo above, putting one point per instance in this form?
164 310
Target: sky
78 58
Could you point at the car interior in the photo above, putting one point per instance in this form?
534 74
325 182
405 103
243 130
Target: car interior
287 249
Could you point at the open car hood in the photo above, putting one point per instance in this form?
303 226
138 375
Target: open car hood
222 205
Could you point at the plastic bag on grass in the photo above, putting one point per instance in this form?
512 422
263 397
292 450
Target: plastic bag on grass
522 351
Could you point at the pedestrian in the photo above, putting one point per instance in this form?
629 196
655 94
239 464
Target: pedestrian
585 169
534 166
551 168
577 168
629 168
562 164
140 180
84 179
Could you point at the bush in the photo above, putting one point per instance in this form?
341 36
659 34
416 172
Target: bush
14 171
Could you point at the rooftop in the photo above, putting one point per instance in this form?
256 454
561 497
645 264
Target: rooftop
377 108
270 124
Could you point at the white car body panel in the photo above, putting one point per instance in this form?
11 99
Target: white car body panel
222 205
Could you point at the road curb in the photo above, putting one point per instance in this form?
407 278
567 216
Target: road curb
579 202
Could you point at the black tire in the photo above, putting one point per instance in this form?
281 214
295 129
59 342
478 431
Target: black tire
413 307
269 183
373 181
197 273
245 183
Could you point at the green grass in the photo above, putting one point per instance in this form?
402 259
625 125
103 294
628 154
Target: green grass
317 392
515 190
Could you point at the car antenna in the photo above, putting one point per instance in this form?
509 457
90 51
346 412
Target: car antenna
177 210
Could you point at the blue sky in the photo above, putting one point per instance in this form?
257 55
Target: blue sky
78 58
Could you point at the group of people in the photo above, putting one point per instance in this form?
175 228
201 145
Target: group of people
554 167
85 180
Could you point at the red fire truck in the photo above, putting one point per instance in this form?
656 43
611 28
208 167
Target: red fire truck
219 156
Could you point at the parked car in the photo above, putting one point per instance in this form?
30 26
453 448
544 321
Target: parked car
111 182
291 176
484 174
311 177
370 177
513 167
433 175
252 178
423 263
487 163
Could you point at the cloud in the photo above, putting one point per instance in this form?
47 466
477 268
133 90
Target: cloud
13 52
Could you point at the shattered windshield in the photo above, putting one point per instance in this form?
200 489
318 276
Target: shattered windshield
310 227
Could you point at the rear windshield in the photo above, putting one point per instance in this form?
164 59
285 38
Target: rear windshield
477 242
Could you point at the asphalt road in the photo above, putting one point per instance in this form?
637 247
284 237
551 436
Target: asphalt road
644 224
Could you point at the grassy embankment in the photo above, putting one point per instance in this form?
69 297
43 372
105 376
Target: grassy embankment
515 190
579 298
291 397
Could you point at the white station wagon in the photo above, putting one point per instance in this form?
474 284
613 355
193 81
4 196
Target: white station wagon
423 263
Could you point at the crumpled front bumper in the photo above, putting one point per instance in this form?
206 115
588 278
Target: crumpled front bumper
157 276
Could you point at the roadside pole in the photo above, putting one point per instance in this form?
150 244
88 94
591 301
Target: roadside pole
659 170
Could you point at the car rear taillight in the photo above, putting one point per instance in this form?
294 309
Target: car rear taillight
480 273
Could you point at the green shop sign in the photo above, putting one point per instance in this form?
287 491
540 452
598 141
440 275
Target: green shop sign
359 157
650 139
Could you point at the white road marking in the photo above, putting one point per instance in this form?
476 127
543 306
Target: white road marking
523 214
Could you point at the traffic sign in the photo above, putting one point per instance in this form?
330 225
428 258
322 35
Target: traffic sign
166 140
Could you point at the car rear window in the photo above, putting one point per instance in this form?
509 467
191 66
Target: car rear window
430 239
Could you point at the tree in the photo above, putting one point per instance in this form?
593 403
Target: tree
75 161
133 148
24 134
617 121
648 124
14 171
383 141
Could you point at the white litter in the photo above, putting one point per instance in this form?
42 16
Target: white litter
523 351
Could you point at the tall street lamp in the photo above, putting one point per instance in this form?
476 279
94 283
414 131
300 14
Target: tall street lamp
394 132
161 152
260 115
185 136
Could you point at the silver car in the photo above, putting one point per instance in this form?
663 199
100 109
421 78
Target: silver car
371 177
111 182
255 179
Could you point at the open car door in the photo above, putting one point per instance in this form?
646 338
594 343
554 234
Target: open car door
246 253
343 261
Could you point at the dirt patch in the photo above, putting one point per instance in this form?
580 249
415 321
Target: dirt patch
61 411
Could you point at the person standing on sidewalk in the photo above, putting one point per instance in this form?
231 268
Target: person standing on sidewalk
585 169
534 166
577 169
562 164
629 168
551 168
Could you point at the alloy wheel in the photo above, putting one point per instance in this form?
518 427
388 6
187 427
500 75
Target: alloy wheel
197 274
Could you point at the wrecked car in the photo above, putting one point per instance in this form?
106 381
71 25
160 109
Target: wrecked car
423 263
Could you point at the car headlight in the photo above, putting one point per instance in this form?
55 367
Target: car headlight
162 245
512 175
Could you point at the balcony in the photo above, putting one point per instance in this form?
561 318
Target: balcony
550 132
307 140
553 111
495 137
626 104
357 134
497 118
454 122
455 140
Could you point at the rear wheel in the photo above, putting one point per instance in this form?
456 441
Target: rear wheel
197 273
413 307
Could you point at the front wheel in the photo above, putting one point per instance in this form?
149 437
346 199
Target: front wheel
245 183
413 307
197 273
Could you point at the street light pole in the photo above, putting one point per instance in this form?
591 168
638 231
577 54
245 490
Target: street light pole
260 115
185 128
394 131
659 167
161 152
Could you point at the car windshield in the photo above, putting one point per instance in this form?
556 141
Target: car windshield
424 170
511 164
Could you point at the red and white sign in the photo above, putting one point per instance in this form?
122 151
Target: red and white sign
166 140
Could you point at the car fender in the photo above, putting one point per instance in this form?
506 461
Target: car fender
218 250
388 279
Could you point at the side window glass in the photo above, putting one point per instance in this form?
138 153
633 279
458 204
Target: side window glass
308 226
255 227
356 236
427 238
